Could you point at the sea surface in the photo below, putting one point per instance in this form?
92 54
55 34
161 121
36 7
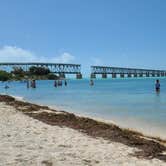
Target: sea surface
131 102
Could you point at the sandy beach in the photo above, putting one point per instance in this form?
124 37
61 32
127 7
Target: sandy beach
27 139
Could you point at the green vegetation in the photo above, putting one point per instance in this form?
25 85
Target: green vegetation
52 77
18 71
33 70
40 73
5 76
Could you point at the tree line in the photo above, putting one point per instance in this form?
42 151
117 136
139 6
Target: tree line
34 72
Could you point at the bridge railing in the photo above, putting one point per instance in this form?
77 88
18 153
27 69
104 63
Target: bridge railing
119 70
54 67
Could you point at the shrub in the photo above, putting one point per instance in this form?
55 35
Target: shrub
52 76
18 71
33 70
5 76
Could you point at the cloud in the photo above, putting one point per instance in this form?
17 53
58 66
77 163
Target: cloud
64 58
16 54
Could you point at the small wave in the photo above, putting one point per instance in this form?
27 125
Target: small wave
18 97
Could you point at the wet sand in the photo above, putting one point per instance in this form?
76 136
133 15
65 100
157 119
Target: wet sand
37 135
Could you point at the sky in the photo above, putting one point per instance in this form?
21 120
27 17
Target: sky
121 33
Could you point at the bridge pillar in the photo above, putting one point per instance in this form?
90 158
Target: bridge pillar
62 75
141 75
104 75
162 74
147 74
79 76
122 75
135 74
153 74
114 75
93 75
129 75
158 74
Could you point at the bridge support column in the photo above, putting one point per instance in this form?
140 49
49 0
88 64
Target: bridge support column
141 75
135 74
114 75
162 74
79 76
122 75
153 74
93 75
129 75
147 74
158 74
104 75
62 75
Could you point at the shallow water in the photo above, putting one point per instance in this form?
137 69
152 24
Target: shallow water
132 103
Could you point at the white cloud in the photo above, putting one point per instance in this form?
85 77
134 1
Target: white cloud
64 58
16 54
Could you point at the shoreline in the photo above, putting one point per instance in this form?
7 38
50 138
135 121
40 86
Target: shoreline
131 124
108 121
149 147
142 130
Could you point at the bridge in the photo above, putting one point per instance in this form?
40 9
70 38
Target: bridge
125 72
57 68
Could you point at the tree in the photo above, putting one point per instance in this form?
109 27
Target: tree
5 76
52 76
18 71
33 70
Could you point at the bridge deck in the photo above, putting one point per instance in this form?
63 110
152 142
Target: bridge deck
54 67
120 70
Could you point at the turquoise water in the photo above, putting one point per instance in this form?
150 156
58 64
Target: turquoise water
132 103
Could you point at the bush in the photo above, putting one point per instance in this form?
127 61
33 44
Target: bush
33 70
52 76
5 76
18 71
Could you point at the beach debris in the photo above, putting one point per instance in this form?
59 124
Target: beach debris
47 163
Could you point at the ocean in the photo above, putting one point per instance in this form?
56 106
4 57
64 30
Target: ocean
129 102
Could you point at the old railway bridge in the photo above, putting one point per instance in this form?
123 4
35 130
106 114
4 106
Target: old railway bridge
125 72
63 69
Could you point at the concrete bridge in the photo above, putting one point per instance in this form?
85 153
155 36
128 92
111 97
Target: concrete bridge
125 72
57 68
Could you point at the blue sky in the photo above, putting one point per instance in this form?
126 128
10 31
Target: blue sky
126 33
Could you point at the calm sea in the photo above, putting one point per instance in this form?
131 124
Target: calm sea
131 103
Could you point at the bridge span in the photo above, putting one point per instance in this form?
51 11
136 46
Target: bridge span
125 72
57 68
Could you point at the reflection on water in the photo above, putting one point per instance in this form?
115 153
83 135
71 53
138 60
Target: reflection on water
130 102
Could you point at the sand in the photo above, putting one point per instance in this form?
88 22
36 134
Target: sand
25 141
